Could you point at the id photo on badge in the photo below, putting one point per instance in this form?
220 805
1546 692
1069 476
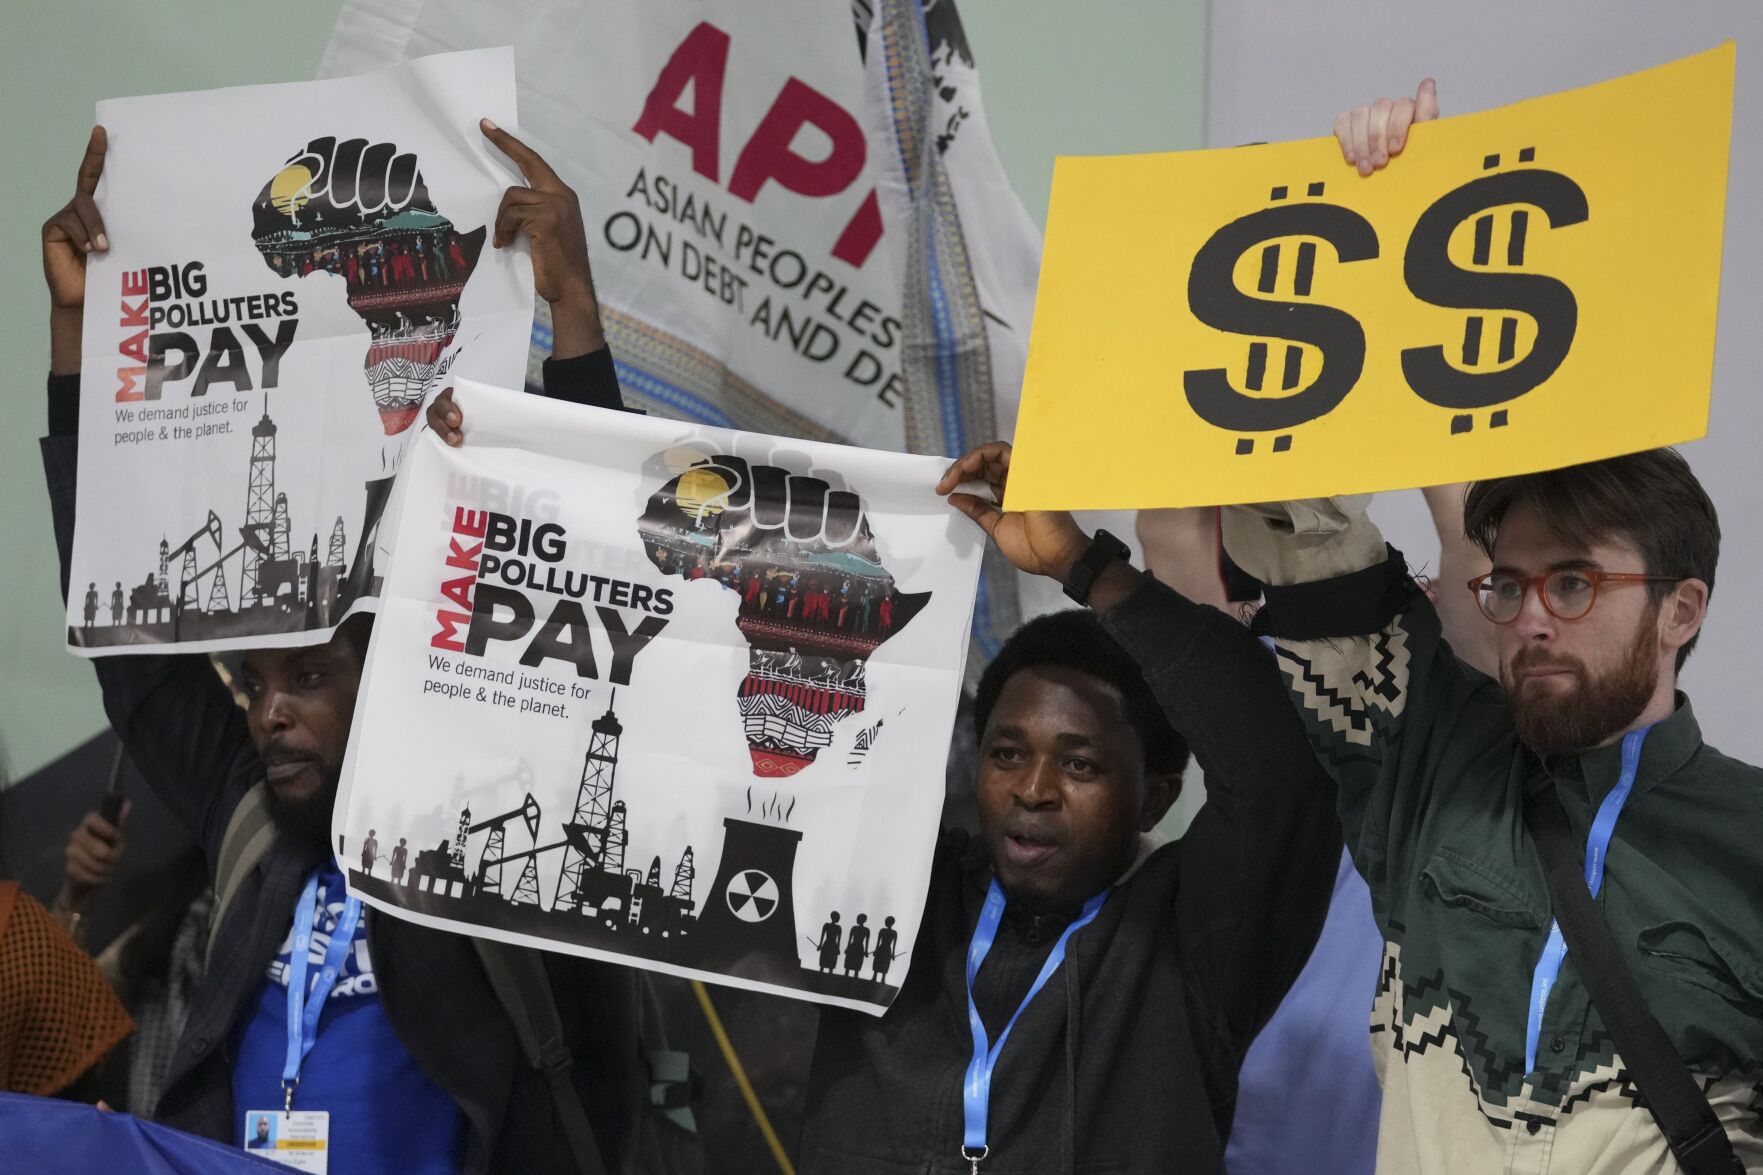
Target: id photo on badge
299 1139
260 1131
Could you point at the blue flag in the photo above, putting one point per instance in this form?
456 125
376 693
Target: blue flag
52 1137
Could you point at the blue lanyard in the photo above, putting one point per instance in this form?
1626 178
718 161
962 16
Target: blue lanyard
1597 847
976 1088
305 1008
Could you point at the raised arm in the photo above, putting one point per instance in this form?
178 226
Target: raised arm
547 213
1378 688
182 729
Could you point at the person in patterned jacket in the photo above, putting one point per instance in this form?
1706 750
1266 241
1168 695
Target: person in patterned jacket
1600 583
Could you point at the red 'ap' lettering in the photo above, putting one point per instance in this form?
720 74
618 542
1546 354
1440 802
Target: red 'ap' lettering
700 62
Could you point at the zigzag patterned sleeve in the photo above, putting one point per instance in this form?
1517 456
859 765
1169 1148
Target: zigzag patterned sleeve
1391 712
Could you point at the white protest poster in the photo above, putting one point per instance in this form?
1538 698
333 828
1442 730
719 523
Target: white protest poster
663 694
293 270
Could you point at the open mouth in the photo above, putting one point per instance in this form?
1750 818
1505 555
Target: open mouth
1027 849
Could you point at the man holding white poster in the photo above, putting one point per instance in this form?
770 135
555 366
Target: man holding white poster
391 1046
1163 959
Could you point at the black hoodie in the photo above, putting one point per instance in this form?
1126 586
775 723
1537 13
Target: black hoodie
1127 1060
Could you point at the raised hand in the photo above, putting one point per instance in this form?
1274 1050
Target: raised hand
95 849
1040 542
1371 135
547 211
68 237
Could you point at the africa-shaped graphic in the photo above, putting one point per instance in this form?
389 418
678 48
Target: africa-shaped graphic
361 211
815 598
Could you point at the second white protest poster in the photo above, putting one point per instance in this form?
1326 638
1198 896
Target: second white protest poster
663 694
292 270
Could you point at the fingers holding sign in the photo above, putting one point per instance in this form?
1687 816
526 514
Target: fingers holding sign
1040 542
446 419
1370 136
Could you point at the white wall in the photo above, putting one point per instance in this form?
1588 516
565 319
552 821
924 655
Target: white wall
1281 70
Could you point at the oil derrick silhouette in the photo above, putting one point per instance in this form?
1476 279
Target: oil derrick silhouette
593 861
489 865
526 887
260 508
683 875
278 531
457 857
748 923
334 558
218 600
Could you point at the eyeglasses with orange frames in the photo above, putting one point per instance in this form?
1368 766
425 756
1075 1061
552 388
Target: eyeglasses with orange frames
1567 593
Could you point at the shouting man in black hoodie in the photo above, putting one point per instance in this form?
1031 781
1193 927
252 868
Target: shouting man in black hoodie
1080 993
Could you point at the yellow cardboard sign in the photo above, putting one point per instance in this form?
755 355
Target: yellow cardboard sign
1521 289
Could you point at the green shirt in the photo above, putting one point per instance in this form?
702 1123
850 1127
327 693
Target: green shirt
1431 774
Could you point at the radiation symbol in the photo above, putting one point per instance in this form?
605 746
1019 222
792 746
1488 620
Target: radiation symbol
751 896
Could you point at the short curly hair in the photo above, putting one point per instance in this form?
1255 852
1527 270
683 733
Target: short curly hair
1075 639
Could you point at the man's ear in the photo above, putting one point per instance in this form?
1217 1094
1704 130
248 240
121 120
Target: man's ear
1161 790
1681 614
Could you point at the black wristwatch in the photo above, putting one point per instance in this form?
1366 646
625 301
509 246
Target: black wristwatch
1103 549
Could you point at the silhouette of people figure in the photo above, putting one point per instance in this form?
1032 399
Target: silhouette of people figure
400 856
856 946
370 851
116 603
829 943
91 603
887 945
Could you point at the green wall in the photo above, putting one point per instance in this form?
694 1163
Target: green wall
1113 76
1108 77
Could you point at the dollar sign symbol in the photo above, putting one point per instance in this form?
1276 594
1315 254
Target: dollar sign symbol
1215 300
1433 277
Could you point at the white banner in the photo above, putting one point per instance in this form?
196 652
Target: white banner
664 694
293 270
729 188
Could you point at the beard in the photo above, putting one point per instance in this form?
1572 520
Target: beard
1587 715
306 818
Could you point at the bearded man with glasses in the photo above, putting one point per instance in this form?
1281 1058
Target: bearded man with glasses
1455 789
1493 1055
